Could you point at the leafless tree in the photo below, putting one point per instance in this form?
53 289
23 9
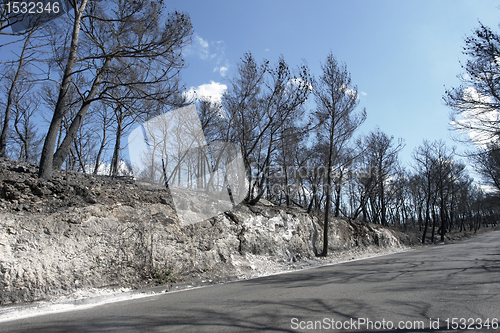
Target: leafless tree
336 100
260 105
124 44
85 145
425 167
26 137
475 103
103 120
487 163
18 72
441 177
382 157
46 159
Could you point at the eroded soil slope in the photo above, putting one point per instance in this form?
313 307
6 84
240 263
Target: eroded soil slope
81 231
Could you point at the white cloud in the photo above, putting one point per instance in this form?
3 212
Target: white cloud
363 93
198 47
212 91
203 43
212 51
222 64
222 70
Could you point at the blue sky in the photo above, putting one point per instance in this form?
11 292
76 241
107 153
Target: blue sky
401 54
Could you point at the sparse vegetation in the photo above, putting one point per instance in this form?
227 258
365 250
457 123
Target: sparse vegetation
164 275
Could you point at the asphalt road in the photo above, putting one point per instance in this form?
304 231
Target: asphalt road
407 289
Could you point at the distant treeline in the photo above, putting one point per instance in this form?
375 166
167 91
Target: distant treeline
105 66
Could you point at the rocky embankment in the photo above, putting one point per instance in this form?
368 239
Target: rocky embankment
78 232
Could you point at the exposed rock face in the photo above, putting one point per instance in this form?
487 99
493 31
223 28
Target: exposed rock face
58 236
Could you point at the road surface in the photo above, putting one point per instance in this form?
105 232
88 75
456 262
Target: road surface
419 291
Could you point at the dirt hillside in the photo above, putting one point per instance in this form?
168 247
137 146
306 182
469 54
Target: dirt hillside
78 231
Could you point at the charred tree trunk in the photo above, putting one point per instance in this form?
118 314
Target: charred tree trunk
46 159
116 151
63 150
